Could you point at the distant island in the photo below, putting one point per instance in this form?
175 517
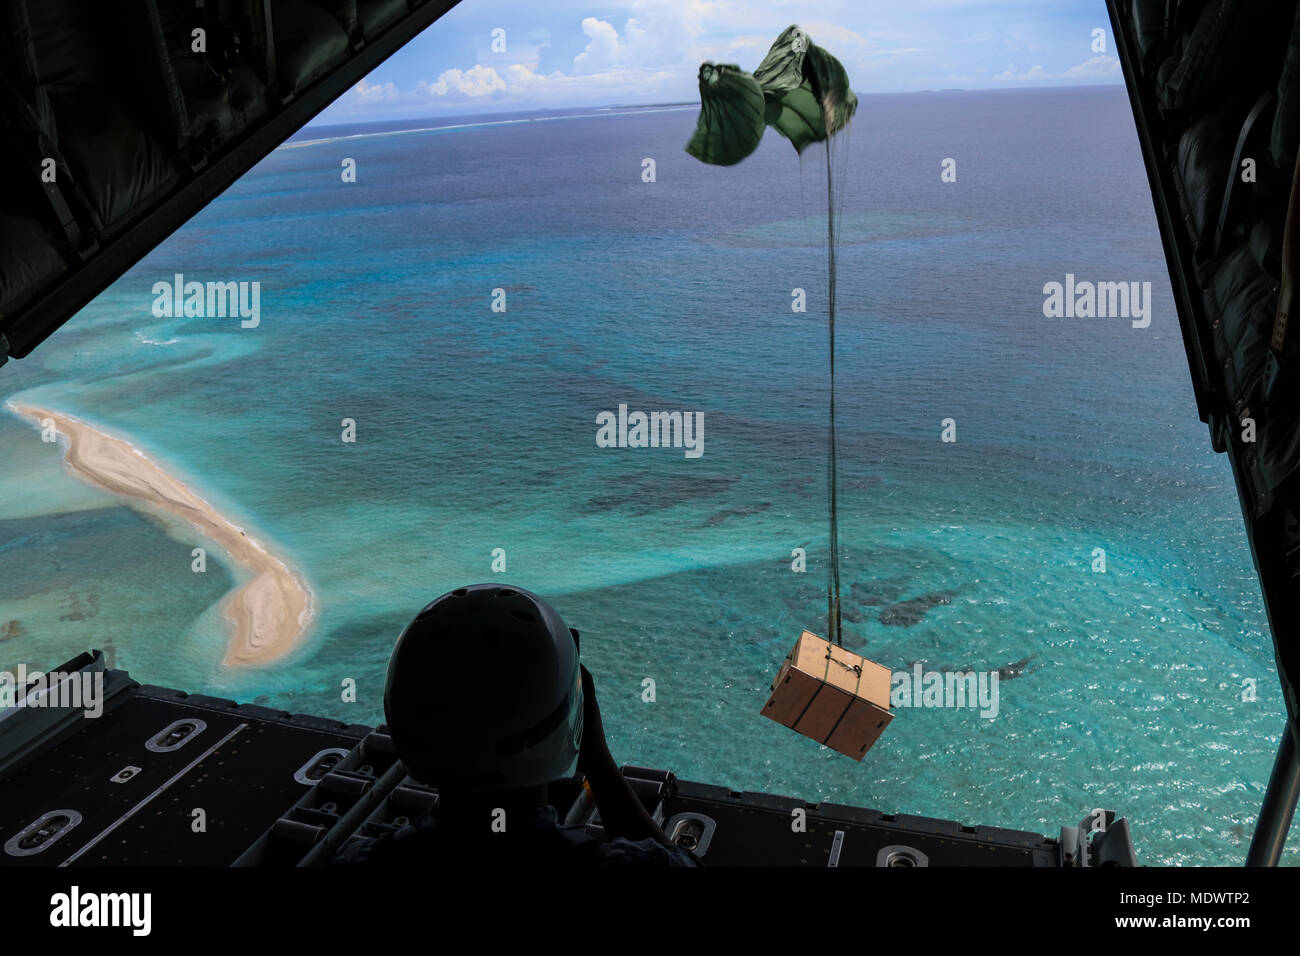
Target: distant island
270 612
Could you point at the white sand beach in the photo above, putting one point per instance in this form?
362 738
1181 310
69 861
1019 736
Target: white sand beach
270 612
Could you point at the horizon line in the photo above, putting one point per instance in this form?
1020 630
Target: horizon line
446 114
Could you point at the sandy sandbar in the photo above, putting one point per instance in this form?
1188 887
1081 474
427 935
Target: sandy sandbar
270 612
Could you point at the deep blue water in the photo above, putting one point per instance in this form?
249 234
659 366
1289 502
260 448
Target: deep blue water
476 431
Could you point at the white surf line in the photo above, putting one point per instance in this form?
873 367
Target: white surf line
510 122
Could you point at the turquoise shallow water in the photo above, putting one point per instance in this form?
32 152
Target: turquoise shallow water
476 431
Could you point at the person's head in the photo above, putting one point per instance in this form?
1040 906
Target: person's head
484 694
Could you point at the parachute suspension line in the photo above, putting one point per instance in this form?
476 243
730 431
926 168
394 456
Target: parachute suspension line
795 77
832 478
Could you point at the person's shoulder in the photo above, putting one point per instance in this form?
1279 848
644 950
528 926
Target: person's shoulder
588 847
358 851
393 848
544 845
648 852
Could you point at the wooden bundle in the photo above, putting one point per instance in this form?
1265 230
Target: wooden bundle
831 695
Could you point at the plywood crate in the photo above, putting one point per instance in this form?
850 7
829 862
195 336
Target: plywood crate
831 695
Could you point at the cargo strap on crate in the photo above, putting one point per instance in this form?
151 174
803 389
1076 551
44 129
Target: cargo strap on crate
856 668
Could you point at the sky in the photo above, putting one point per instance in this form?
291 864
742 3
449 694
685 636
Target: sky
573 53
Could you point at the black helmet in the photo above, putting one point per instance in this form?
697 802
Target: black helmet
484 691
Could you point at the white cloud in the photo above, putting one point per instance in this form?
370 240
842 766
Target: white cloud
615 83
613 64
367 93
1010 75
477 81
649 51
602 50
1099 67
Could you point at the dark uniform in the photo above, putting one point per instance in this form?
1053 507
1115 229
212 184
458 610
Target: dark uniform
543 843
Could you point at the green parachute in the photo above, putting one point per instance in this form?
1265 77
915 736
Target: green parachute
799 89
803 93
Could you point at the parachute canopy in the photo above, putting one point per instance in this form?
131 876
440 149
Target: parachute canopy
799 89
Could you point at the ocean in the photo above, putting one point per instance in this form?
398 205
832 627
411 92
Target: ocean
476 431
